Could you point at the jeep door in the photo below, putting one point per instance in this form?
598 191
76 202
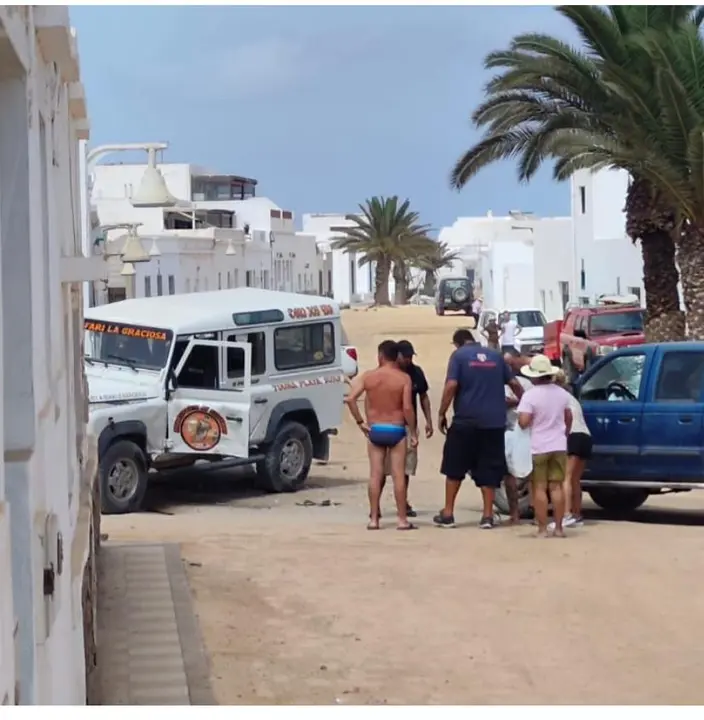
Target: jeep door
203 415
673 416
611 395
235 363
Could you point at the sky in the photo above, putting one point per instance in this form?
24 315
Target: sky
324 106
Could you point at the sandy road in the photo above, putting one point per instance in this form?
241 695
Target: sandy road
299 604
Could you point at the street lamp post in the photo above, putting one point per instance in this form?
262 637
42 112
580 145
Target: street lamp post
152 193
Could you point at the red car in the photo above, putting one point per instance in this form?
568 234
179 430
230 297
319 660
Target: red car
589 333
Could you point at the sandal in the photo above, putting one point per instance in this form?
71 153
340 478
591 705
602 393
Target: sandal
410 526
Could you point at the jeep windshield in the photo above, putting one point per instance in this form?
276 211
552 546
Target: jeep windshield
617 323
133 346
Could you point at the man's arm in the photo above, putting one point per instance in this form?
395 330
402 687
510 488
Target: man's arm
408 411
449 391
356 391
525 412
512 382
568 421
422 389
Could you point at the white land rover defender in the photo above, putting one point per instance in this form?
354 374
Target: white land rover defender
246 376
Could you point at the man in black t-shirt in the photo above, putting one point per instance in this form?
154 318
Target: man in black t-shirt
419 392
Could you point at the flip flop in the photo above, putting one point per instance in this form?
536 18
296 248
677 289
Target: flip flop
410 526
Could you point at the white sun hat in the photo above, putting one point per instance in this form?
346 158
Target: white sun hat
540 366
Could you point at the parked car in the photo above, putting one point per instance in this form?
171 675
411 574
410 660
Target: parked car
644 406
589 333
454 294
531 322
350 359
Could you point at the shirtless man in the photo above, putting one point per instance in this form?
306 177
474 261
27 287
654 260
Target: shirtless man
389 409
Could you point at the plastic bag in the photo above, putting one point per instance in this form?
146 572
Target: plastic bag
519 458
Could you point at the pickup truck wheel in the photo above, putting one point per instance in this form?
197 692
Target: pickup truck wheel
619 501
123 478
524 508
287 463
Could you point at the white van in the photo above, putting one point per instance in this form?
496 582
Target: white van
248 376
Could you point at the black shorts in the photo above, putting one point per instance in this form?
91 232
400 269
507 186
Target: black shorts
478 452
579 445
510 349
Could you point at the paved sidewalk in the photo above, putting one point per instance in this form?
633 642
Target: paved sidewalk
149 647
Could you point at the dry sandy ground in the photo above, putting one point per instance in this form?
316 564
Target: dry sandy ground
300 604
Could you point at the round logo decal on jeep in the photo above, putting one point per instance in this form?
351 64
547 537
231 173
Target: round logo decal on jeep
200 427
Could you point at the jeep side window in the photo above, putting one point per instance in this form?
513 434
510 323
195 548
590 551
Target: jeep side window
235 356
681 377
607 382
301 346
201 368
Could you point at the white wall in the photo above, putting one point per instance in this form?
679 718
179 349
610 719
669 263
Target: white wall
45 481
609 260
342 276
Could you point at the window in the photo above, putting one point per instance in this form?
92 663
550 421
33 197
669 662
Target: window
147 286
219 281
120 345
188 285
248 278
320 282
237 278
617 322
201 368
528 318
159 284
584 301
618 285
634 290
580 323
304 346
205 282
235 356
116 294
617 380
564 294
583 198
582 277
680 377
300 282
172 285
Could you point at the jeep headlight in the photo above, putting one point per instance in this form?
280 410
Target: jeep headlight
605 349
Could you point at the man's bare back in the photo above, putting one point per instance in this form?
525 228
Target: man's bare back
385 399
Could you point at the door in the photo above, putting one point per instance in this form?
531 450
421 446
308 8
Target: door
578 342
673 421
203 415
261 390
612 400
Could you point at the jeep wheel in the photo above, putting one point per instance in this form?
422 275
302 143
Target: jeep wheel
287 463
123 478
524 508
460 296
618 501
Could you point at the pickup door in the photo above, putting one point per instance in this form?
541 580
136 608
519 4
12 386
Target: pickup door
673 415
611 394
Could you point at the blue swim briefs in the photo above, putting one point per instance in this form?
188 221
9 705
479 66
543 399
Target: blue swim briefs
386 435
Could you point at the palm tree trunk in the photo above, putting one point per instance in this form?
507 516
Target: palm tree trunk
651 220
429 283
381 282
690 258
664 321
400 283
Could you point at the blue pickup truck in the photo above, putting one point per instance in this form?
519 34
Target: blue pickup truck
644 406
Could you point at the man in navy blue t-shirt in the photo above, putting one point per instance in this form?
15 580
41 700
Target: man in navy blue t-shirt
475 382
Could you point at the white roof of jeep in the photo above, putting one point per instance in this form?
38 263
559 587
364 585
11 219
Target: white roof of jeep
203 311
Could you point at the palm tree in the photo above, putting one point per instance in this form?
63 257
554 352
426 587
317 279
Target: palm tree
387 233
584 109
437 257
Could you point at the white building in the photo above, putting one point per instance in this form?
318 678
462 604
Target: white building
46 478
341 276
517 260
192 237
605 259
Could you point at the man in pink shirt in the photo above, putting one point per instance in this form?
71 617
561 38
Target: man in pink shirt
545 410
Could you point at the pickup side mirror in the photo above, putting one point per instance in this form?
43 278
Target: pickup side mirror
580 334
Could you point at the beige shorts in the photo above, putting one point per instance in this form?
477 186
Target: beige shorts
411 460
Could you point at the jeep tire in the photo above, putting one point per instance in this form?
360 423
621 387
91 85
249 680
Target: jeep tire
124 477
288 459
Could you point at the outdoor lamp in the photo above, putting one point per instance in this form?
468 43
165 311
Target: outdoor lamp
154 250
128 270
152 192
133 251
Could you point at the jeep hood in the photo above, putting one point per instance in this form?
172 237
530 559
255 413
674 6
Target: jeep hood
106 385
